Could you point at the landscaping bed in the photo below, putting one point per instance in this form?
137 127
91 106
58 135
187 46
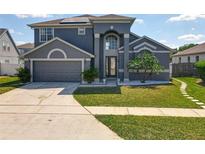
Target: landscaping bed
128 96
155 128
8 83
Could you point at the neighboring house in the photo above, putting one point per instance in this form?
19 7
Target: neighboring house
183 62
23 48
66 47
9 55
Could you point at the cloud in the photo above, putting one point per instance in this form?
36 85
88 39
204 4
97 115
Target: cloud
22 16
192 28
185 17
12 31
200 42
171 45
20 42
163 41
190 37
139 21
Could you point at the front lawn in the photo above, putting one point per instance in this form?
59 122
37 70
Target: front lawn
155 128
8 83
195 87
153 96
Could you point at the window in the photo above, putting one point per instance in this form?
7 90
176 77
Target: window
46 34
188 59
111 42
180 59
7 61
8 47
81 31
197 58
4 46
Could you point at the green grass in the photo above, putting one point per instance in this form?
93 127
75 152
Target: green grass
155 96
156 128
195 87
8 83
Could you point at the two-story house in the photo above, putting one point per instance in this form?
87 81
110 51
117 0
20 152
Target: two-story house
9 55
66 47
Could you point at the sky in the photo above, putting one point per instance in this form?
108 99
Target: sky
173 30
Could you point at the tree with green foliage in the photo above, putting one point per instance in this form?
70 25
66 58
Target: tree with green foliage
145 63
200 66
186 46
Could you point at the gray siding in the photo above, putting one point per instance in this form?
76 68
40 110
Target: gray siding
184 69
158 47
70 35
117 27
70 51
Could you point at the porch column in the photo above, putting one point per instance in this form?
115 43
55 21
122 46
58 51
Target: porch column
97 51
126 56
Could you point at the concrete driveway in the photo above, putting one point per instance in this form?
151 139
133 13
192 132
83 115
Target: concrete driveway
48 111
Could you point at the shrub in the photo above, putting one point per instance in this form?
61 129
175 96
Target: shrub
90 75
23 74
200 66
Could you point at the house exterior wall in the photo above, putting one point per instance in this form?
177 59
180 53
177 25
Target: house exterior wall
44 51
9 60
70 35
185 68
184 59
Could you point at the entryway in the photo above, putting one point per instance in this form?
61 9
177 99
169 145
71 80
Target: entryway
111 66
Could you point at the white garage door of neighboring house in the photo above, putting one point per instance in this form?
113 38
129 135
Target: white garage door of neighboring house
57 71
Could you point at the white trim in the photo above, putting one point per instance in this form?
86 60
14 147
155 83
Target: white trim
126 35
150 40
143 44
81 28
56 38
153 51
144 48
82 60
97 35
39 35
121 51
56 49
141 71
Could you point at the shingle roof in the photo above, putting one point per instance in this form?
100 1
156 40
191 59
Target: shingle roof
82 19
199 49
26 46
2 30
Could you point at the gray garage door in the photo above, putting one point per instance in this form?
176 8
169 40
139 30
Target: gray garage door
56 71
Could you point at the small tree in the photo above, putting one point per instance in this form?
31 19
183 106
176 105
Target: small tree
23 74
146 63
200 66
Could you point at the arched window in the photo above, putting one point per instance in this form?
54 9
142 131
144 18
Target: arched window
111 42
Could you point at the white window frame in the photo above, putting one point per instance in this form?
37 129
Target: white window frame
81 31
46 35
4 46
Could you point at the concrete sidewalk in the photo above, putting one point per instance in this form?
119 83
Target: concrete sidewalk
146 111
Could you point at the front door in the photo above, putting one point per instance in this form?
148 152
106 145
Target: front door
111 66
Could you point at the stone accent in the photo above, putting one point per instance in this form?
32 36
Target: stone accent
184 93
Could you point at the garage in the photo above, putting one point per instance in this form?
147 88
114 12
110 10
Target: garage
57 71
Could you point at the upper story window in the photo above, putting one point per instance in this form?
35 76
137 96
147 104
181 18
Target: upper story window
4 46
46 34
111 42
180 59
81 31
197 58
8 47
188 59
